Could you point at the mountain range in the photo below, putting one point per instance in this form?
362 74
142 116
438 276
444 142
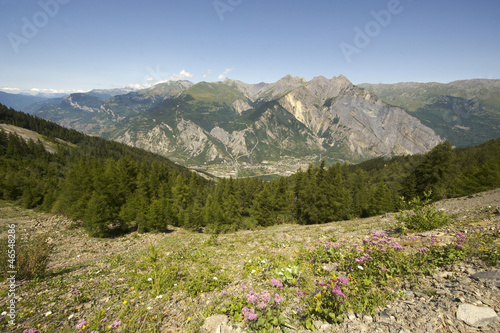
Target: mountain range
240 124
465 112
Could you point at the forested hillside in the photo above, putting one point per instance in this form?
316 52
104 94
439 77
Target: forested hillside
111 188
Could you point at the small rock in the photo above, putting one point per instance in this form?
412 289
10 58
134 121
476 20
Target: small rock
476 316
351 315
488 275
383 315
409 293
213 324
442 275
368 318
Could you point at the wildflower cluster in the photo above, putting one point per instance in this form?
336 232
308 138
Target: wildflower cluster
260 310
327 302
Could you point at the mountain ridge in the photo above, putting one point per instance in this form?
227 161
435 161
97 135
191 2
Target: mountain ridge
237 124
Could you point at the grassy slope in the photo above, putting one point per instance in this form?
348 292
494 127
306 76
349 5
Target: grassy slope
93 279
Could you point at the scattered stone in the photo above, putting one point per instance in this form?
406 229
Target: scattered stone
384 316
214 324
489 275
476 316
351 315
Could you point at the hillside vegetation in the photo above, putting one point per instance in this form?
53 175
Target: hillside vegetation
111 188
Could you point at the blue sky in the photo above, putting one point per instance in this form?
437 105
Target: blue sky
70 45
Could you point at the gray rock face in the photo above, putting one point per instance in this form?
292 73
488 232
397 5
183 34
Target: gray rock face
476 316
321 116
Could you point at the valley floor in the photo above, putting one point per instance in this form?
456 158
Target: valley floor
173 282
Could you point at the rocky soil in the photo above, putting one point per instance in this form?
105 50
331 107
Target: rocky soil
464 297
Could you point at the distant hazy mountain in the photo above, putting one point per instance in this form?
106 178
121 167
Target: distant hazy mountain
464 112
19 101
91 114
108 93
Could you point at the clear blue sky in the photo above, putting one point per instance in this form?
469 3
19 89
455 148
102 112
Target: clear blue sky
85 44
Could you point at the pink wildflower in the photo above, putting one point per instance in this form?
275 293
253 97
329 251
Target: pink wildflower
423 250
117 323
343 280
278 283
278 299
252 296
81 323
249 314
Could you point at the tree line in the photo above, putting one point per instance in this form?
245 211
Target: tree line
111 188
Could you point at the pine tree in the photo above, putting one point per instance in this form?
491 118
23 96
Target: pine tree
263 208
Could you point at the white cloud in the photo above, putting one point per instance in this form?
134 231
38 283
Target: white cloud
207 73
10 90
56 91
181 76
36 91
223 75
135 86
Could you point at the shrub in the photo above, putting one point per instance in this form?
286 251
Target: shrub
31 257
420 215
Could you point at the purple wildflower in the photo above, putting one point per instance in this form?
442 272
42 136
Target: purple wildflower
278 283
249 314
337 291
301 293
397 246
363 258
460 237
117 323
378 234
343 280
382 268
81 323
423 250
103 320
252 296
265 296
31 330
278 299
